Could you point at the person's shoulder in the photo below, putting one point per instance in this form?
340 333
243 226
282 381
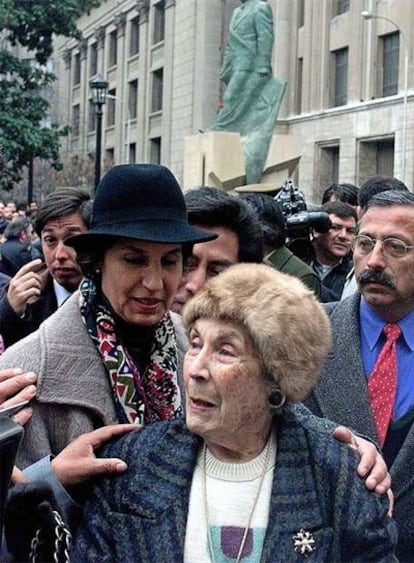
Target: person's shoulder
345 307
135 445
318 432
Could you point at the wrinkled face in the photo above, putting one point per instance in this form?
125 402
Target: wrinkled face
207 260
338 240
226 395
61 259
140 279
387 282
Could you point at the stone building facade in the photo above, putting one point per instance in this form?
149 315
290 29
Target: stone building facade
348 96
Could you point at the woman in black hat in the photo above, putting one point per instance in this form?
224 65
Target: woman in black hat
112 353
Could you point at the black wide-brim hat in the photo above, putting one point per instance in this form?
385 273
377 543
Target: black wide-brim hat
140 201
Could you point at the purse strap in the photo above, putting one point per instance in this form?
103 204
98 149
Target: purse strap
62 542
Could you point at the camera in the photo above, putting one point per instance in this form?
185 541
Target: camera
299 220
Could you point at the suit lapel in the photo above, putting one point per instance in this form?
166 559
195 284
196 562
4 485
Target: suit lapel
341 392
402 469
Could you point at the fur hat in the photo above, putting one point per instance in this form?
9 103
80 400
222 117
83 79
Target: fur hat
141 201
289 328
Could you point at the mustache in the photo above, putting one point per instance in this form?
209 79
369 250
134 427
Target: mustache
377 276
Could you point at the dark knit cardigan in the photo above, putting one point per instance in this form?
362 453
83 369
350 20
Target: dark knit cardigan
141 516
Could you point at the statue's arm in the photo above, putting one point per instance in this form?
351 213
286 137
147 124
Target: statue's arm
265 38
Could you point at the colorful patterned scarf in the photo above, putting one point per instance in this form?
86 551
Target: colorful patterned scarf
139 398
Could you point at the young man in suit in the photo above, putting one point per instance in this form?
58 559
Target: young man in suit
39 288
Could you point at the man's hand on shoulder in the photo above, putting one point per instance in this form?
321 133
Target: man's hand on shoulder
78 463
372 466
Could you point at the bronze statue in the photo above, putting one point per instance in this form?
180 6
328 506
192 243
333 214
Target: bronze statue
253 95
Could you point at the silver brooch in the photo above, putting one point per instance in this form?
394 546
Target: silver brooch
303 542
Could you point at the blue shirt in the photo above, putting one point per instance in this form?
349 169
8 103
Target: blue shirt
373 339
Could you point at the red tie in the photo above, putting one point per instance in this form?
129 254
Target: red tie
382 383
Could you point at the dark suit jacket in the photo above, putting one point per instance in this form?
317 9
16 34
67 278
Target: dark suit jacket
341 395
141 515
13 327
14 255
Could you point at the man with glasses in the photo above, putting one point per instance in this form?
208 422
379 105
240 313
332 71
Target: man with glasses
368 380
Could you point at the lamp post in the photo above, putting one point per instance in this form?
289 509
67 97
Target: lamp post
370 16
99 87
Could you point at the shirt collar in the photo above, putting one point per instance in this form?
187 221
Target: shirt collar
375 325
61 293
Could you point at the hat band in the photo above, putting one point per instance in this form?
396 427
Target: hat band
134 214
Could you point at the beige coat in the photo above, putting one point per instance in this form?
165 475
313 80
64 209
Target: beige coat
73 391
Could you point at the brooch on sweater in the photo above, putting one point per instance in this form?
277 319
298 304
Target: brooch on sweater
303 542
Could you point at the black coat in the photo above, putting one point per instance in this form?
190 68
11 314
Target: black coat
14 255
13 327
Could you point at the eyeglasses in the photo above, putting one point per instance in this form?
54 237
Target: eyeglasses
391 247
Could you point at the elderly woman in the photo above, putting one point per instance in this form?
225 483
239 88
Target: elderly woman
248 476
112 352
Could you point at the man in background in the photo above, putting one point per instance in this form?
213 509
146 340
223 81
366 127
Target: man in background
39 288
332 258
16 249
275 251
239 238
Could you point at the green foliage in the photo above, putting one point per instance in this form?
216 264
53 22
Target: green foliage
30 24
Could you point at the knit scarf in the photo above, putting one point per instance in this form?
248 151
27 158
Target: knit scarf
140 398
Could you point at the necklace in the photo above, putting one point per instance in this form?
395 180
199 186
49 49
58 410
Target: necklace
246 529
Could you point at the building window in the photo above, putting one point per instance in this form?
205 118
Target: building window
340 61
132 99
340 7
134 37
155 148
77 69
376 157
157 83
110 107
93 59
298 93
113 48
390 58
159 22
132 153
109 158
76 120
301 13
328 167
91 116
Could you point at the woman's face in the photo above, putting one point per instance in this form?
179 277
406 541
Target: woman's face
140 278
226 394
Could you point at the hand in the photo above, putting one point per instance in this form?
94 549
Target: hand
77 462
372 467
27 285
15 387
18 476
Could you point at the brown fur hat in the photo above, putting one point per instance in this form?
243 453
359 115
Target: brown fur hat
288 326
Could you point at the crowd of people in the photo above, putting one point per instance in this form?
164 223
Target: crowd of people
190 316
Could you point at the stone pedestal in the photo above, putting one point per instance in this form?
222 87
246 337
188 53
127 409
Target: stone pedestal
215 159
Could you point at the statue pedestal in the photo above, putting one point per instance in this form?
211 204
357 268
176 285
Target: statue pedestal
213 159
216 159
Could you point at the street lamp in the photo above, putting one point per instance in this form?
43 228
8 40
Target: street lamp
99 87
369 16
